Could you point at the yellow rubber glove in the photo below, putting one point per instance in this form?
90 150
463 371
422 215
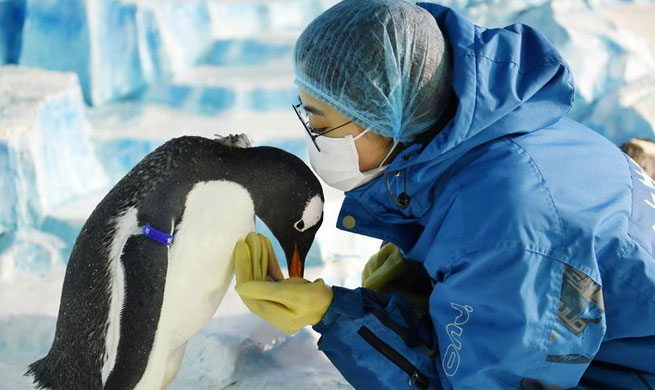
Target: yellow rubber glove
288 304
383 267
387 271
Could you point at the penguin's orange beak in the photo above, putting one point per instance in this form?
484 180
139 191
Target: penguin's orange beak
295 269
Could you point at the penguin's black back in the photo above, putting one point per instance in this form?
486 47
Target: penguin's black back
76 357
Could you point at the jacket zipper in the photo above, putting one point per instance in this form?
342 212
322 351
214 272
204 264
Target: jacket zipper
416 378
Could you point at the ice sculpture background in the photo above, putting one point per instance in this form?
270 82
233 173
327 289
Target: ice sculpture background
88 87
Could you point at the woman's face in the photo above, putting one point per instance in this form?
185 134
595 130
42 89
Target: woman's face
371 147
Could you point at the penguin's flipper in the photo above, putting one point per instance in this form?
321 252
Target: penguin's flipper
234 140
145 262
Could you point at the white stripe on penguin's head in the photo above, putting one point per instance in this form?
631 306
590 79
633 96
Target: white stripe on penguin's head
311 215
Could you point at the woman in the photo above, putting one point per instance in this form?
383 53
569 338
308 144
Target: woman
453 144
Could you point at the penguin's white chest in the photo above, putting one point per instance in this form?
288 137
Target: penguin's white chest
217 214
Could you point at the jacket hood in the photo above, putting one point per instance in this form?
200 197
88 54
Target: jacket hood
507 81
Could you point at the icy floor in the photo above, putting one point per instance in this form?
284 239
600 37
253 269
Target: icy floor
236 350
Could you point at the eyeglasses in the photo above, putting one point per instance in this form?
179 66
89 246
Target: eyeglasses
304 119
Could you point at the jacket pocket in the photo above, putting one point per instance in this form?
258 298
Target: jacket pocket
416 378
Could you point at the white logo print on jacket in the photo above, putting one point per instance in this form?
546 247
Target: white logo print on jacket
454 330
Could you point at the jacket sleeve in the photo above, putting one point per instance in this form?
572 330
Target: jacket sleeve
502 318
376 341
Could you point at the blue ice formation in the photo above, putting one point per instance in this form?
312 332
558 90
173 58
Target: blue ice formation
115 47
499 13
11 24
119 47
31 252
247 51
119 155
211 90
47 159
46 154
602 56
490 13
210 57
628 112
640 2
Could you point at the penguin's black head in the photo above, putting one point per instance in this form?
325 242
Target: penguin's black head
297 238
289 200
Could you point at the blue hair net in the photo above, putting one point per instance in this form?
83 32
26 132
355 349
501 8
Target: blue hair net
383 64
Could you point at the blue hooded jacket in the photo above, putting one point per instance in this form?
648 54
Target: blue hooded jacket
538 235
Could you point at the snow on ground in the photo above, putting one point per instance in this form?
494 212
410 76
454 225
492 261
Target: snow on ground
236 350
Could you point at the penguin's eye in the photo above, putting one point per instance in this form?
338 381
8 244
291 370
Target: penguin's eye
299 225
311 215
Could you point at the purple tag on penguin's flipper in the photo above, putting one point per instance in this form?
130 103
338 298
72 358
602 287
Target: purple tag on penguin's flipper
157 235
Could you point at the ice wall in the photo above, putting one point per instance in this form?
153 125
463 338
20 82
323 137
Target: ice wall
114 47
645 2
12 13
194 63
46 155
490 13
249 50
210 90
602 56
499 13
118 47
47 159
30 253
628 112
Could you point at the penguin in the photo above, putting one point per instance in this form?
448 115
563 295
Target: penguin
153 260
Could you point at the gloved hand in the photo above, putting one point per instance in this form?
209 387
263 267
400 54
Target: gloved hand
288 304
383 267
387 271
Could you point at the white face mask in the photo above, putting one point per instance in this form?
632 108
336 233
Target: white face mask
338 162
